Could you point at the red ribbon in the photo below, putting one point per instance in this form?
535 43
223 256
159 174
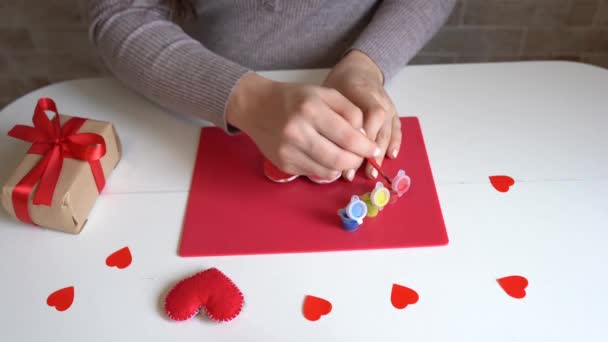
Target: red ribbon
54 143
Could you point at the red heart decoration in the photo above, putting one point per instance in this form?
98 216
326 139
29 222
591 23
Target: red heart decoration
61 299
210 289
402 296
502 183
315 307
121 258
514 286
275 174
320 180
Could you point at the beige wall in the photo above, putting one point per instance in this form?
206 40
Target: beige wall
44 41
505 30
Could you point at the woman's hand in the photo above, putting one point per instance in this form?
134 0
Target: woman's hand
359 79
302 129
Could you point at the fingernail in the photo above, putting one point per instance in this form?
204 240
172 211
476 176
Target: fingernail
394 153
374 173
350 175
362 131
377 152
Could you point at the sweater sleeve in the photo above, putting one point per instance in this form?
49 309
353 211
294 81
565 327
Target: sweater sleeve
399 29
151 54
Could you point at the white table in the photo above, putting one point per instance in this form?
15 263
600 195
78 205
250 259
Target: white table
543 123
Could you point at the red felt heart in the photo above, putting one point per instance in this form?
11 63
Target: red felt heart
502 183
320 180
210 289
275 174
315 307
514 286
121 258
402 296
61 299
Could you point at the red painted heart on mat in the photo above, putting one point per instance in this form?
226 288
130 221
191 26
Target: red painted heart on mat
514 286
502 183
121 258
61 299
315 307
211 290
402 296
275 174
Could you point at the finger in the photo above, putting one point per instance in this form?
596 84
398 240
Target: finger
383 138
349 175
375 117
395 143
376 107
337 130
341 105
307 166
329 155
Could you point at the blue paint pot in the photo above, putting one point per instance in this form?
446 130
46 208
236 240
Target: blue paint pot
356 209
348 224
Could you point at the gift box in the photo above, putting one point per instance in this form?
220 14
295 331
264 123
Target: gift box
58 181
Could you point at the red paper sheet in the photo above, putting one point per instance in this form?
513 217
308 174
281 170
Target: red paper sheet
233 209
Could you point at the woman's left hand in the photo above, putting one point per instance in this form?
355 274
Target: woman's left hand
358 78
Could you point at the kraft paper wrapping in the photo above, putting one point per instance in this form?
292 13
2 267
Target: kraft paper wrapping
76 192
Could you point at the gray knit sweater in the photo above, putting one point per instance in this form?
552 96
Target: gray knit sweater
191 67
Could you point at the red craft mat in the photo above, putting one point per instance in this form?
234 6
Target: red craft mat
233 209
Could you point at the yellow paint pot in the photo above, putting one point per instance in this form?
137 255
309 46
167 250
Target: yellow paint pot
380 196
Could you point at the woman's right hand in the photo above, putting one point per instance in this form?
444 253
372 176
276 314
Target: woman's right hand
302 129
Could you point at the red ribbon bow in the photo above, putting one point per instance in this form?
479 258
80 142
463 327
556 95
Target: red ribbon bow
54 143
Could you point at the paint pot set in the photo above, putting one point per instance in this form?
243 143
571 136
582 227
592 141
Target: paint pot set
372 203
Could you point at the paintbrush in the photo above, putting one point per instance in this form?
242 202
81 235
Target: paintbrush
377 167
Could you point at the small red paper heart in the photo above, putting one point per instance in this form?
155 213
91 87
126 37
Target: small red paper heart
514 286
121 258
61 299
211 290
402 296
502 183
275 174
315 307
